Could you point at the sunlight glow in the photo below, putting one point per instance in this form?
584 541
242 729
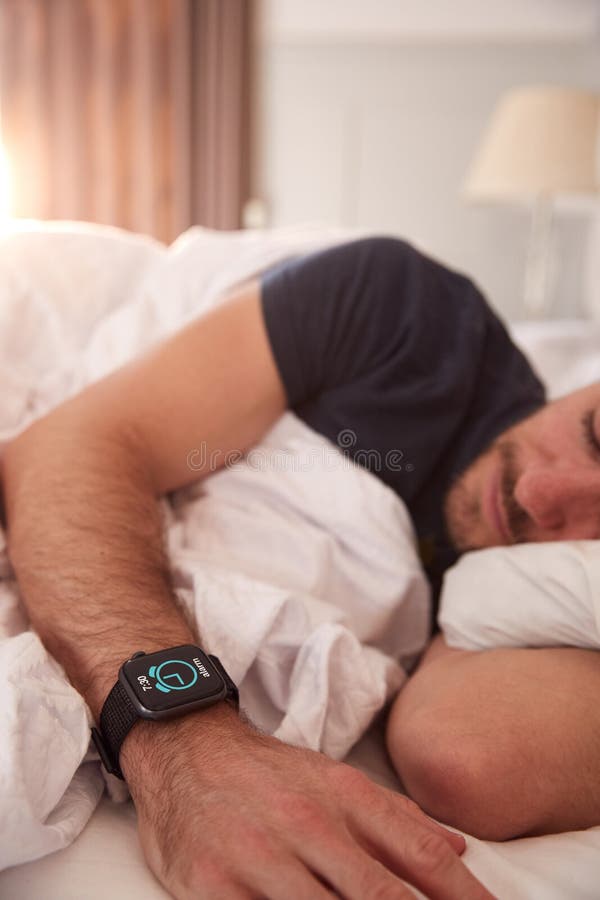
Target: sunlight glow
5 199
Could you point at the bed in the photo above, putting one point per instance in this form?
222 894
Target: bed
105 859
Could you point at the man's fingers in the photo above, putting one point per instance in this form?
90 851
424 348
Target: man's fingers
288 880
352 872
419 850
404 803
218 892
456 841
207 887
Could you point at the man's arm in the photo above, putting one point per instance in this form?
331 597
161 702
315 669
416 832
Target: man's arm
81 487
501 743
223 810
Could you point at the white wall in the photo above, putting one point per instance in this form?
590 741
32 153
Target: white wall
335 20
375 127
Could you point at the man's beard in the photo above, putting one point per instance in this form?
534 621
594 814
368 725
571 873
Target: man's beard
463 511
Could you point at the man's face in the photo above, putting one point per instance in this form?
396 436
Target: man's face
538 481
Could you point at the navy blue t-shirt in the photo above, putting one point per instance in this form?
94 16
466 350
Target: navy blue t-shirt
401 363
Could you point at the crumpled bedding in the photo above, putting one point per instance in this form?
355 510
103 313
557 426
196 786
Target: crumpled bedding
317 560
299 568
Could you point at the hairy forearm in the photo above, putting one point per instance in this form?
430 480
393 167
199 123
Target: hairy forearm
86 543
85 540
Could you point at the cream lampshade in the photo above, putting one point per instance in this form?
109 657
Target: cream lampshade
541 141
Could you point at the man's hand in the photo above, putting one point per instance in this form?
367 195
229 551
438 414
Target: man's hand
247 816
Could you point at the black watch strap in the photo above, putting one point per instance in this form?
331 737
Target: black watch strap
233 695
119 715
117 718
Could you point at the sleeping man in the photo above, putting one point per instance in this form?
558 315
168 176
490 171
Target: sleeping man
369 336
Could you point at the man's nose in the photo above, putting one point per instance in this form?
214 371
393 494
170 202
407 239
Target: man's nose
561 500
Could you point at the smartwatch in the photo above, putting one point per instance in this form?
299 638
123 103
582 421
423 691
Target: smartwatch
159 686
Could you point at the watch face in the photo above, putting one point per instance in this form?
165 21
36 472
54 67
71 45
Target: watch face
171 679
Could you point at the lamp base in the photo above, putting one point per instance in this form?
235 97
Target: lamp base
536 294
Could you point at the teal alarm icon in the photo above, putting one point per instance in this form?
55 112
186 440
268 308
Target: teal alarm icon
174 675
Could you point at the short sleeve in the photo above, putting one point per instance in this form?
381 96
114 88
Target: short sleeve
333 315
401 363
376 337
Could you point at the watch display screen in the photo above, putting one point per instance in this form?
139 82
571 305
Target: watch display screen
172 678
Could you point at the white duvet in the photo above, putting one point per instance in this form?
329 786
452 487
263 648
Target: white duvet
299 568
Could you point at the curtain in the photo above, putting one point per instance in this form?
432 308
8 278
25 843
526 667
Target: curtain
127 112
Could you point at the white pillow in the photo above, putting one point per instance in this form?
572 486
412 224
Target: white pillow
531 595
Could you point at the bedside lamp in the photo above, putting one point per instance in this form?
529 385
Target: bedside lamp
541 141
